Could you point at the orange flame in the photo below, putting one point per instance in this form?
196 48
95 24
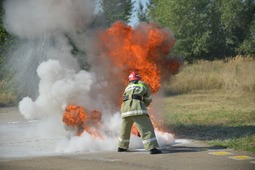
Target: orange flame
156 122
77 117
144 49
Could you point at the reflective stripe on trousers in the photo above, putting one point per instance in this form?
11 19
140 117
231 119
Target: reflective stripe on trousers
123 140
133 113
149 140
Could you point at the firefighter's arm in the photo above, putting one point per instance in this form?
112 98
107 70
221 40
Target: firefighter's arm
147 97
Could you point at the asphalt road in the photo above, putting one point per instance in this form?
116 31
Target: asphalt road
29 154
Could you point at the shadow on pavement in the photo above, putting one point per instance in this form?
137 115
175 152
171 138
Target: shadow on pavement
212 132
180 148
185 149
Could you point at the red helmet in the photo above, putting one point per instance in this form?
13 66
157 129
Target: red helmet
134 76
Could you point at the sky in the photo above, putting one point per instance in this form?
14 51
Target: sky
134 19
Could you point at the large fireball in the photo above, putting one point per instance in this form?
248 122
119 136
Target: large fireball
144 49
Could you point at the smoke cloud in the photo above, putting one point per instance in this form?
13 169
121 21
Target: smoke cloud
50 75
33 18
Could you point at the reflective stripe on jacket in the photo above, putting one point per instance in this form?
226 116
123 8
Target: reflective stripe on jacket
132 107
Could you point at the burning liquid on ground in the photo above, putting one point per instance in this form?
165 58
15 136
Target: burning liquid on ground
80 120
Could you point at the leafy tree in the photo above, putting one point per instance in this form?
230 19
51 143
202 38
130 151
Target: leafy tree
207 29
7 92
113 10
237 17
190 23
142 12
4 38
248 45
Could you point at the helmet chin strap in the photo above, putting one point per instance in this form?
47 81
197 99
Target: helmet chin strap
135 81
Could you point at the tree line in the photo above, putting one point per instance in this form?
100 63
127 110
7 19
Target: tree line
204 29
208 29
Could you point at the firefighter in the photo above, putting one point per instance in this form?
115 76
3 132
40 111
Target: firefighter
136 98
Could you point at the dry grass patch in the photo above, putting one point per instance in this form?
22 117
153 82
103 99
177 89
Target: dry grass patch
235 75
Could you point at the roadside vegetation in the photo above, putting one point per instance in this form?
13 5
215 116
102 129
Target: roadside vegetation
7 94
214 102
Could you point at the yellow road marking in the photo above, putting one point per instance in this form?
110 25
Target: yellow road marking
220 153
241 157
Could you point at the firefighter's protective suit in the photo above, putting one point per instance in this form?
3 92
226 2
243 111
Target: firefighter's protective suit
136 98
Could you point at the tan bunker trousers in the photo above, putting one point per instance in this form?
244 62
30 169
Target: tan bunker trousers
145 128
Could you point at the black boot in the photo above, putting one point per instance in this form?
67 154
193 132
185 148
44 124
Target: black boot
122 150
155 151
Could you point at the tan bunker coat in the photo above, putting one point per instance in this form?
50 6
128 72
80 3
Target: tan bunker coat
136 98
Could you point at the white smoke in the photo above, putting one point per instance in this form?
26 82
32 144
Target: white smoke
32 18
58 87
44 25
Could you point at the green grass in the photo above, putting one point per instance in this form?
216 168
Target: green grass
246 143
213 116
